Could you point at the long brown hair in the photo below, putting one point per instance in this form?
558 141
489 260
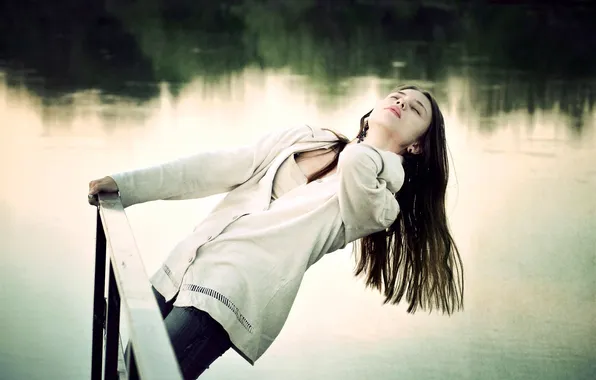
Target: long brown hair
416 256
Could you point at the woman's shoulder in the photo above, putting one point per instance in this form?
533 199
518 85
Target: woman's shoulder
326 133
304 133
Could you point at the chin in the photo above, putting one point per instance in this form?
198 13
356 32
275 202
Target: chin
389 125
384 119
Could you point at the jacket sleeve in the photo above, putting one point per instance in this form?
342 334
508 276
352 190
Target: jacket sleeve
369 179
206 173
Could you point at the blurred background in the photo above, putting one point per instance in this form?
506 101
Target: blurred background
89 88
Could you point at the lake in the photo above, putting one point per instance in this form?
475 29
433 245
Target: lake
130 89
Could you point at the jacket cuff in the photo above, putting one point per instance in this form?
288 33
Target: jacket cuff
391 165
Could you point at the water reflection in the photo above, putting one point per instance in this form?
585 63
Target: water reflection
520 205
121 48
147 82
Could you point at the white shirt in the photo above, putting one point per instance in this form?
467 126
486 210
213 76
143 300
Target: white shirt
244 263
288 177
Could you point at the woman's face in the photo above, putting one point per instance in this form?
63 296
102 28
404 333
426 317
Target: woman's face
405 114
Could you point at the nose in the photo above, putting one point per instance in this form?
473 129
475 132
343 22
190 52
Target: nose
401 103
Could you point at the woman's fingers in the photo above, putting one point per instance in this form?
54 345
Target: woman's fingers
93 200
105 184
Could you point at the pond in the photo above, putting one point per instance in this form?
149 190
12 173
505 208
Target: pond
123 86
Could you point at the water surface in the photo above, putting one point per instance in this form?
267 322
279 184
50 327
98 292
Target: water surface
520 200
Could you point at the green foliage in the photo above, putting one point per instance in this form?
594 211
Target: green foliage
109 44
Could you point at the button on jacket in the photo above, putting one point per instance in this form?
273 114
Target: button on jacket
243 264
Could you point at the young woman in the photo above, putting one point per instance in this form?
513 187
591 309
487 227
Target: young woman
294 196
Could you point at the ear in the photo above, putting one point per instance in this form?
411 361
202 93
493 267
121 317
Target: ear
415 148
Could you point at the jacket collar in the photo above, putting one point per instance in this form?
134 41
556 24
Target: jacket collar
320 139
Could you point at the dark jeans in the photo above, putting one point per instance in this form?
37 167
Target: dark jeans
198 340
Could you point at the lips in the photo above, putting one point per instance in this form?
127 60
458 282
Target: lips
395 110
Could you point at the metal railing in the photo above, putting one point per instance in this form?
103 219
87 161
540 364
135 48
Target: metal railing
151 354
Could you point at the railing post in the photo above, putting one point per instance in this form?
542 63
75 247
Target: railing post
129 289
131 365
112 327
99 305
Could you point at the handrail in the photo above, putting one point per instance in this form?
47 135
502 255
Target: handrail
152 355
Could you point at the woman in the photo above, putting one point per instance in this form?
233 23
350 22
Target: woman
294 196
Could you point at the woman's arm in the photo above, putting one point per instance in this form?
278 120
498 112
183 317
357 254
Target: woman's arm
369 179
205 173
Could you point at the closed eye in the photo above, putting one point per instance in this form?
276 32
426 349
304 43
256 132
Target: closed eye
414 108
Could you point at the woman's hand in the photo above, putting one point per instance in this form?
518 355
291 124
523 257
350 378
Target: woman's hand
102 185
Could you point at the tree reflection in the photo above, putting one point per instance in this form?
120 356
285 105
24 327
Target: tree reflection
513 53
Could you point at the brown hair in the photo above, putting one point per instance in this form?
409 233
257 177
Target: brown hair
338 147
416 256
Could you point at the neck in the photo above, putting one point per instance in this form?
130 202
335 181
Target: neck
381 139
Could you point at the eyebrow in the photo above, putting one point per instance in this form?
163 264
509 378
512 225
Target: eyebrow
417 101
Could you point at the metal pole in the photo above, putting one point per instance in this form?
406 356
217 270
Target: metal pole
113 327
133 373
99 316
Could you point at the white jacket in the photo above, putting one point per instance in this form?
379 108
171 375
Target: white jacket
244 263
